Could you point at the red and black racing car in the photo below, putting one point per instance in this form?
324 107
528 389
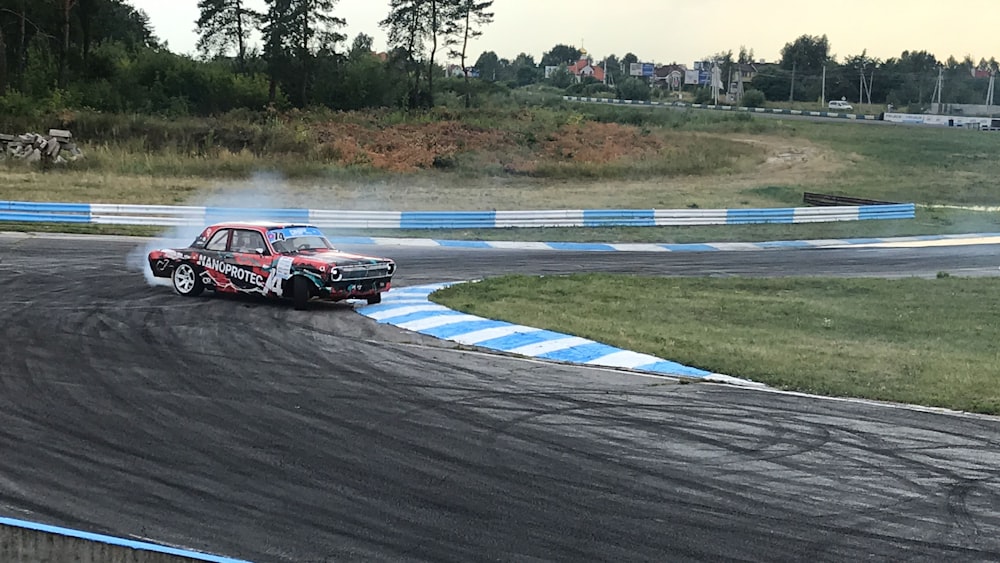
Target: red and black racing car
275 260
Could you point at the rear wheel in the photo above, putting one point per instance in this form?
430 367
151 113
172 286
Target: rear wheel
375 299
300 292
186 281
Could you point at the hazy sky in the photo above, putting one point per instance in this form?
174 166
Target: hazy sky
682 31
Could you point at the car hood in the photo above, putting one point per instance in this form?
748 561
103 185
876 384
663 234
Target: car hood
334 258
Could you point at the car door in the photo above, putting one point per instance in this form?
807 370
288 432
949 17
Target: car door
212 260
247 261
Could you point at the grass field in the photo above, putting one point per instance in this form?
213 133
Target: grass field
921 341
540 158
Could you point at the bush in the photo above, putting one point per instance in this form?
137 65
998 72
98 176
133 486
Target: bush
753 99
703 96
634 89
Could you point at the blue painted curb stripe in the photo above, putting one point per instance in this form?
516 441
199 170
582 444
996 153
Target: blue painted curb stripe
409 308
121 542
689 247
465 243
672 367
583 246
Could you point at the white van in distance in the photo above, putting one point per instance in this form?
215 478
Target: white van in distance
840 104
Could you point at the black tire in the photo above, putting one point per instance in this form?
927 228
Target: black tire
186 280
300 293
375 299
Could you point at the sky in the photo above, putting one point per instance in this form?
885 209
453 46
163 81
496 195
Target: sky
681 31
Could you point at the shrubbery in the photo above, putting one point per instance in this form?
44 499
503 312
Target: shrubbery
753 99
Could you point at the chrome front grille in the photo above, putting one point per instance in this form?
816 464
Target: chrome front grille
362 272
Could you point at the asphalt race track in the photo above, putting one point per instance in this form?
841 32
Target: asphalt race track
248 429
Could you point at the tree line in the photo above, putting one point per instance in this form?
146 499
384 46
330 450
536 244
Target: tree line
807 70
102 54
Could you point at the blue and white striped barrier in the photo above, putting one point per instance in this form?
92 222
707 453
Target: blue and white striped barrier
743 109
409 308
170 215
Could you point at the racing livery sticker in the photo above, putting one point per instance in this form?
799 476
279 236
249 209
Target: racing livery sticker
231 271
281 270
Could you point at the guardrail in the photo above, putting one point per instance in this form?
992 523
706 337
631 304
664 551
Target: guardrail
743 109
169 216
829 200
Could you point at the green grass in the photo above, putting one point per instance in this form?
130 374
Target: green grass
908 163
920 341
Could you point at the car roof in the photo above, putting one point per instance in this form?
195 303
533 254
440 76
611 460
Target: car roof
256 225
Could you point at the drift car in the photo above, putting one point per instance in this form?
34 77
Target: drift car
274 260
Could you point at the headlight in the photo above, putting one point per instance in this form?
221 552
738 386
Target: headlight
335 274
390 267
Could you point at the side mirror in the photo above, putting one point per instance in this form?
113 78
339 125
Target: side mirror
260 251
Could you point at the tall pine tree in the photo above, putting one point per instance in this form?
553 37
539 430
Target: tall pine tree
313 31
470 17
224 25
408 24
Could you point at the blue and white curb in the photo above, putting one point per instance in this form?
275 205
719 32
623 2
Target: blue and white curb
120 542
925 240
409 308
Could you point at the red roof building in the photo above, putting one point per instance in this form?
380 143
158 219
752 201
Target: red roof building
584 68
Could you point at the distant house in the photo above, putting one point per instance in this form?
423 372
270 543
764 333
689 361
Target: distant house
584 68
746 72
455 71
669 76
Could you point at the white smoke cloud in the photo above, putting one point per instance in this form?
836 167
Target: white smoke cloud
264 190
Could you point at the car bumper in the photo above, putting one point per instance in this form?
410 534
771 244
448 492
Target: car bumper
161 266
351 289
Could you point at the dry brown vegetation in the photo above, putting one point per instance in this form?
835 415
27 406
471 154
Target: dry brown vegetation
413 147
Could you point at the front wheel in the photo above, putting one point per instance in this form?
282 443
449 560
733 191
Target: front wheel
375 299
186 281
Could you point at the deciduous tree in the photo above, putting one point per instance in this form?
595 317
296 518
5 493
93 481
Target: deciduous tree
560 55
807 54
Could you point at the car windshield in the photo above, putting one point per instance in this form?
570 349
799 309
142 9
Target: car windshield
297 239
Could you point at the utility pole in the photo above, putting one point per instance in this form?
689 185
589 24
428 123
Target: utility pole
861 86
868 87
937 89
989 92
739 84
729 85
791 91
823 95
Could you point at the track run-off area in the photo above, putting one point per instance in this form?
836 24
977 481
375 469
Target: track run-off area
244 428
